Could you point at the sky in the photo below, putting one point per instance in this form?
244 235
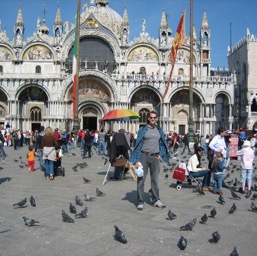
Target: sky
228 19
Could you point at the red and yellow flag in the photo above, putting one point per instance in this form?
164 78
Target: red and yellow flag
179 40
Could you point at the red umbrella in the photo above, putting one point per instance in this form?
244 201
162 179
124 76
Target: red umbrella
120 115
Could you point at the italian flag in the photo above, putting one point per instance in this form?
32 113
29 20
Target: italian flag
75 62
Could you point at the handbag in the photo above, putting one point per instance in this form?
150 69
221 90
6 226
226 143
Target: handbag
119 161
179 174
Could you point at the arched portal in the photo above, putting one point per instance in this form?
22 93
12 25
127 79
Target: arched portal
3 107
180 111
222 111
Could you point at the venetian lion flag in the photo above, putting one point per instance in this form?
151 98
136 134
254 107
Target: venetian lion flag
75 60
179 40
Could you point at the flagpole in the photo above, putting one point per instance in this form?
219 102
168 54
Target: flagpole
190 120
76 122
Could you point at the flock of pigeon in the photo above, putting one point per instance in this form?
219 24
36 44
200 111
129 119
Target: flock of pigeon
120 236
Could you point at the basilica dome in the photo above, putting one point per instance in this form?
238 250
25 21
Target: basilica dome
104 14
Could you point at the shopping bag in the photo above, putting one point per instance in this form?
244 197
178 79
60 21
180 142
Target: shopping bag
179 174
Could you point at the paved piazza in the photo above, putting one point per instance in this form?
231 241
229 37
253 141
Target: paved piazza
148 232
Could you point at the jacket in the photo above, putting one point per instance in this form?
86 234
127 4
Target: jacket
163 147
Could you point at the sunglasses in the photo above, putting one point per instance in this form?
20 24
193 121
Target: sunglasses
153 117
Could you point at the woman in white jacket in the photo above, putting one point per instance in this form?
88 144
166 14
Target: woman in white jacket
246 157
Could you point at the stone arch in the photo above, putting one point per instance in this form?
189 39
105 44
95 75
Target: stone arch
225 93
222 110
94 75
3 106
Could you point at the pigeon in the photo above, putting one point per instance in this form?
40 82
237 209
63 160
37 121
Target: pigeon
15 160
66 217
88 198
171 215
232 209
32 201
86 180
253 207
105 161
119 235
248 193
188 226
234 252
20 157
75 168
182 243
213 212
236 182
216 236
221 199
227 176
254 196
229 183
29 222
200 191
82 214
234 195
204 219
78 201
21 166
99 193
166 176
150 192
73 208
22 203
73 154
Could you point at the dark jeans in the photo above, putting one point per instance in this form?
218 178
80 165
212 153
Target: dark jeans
206 174
117 173
153 164
87 148
186 145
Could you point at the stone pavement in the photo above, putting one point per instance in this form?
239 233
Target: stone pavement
148 232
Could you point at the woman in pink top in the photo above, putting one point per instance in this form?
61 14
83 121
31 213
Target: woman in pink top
246 157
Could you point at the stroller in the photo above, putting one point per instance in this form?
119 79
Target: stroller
58 169
182 174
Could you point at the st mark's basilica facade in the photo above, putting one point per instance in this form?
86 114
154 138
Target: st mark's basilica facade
115 72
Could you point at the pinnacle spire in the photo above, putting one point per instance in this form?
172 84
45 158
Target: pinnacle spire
125 21
58 18
205 24
19 20
164 23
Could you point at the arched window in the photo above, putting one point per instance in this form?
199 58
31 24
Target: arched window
35 114
254 106
181 72
1 69
144 113
38 70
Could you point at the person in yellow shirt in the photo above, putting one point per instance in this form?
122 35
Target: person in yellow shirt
31 159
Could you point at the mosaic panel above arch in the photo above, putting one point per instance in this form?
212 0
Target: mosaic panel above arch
38 52
142 53
145 96
33 93
182 97
91 89
183 56
5 54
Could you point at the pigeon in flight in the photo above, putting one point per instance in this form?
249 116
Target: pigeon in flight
32 201
29 222
221 200
182 243
171 215
119 235
66 217
253 207
204 219
22 203
78 201
216 236
99 193
234 195
234 252
188 226
86 180
88 198
73 208
82 214
213 212
232 209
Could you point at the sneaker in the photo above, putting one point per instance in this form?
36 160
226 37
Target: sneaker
51 177
159 204
140 207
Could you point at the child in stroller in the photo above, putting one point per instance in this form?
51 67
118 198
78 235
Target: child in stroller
58 169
